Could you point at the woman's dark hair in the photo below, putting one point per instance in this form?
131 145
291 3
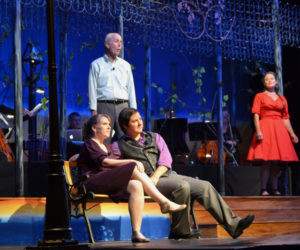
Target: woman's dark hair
124 117
88 132
276 87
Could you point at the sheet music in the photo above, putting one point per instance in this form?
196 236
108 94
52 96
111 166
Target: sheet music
3 120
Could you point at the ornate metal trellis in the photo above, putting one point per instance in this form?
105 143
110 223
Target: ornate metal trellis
244 28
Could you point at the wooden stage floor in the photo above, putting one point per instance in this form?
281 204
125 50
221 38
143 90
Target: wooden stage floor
288 241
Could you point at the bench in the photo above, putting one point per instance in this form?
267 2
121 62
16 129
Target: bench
78 197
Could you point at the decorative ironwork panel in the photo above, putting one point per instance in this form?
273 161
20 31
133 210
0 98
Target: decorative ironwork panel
244 28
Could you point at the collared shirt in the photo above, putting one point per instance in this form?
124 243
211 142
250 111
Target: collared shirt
164 159
110 81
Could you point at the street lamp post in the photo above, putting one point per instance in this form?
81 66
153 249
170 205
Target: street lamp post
34 58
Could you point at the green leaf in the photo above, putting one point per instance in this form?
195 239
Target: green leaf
191 114
40 55
226 97
208 115
173 87
44 100
71 56
202 70
6 77
154 85
173 100
215 68
204 99
45 78
79 99
198 90
69 66
224 104
160 90
132 67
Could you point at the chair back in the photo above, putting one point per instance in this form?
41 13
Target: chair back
70 168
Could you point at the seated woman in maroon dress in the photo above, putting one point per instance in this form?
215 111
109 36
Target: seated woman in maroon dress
118 178
273 140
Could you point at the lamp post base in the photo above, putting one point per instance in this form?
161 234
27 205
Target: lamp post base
72 244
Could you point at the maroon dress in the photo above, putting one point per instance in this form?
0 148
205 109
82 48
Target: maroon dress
111 181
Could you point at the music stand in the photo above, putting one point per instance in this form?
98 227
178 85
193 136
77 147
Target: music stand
203 131
172 130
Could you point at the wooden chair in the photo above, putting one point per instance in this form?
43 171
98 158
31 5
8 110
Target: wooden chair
78 196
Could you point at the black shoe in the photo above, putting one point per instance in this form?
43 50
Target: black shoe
243 224
275 192
191 235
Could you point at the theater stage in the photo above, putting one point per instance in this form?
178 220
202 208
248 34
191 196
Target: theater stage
284 242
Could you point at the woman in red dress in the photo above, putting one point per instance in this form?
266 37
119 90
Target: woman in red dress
274 136
118 178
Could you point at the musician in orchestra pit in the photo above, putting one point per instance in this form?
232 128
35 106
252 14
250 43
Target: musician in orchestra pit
231 138
74 120
9 111
6 153
110 83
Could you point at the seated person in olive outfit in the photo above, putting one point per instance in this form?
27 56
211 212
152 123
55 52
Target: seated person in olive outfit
150 149
118 178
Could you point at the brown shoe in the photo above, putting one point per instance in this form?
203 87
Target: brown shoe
243 224
191 235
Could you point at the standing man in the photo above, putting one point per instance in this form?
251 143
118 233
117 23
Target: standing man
110 85
150 149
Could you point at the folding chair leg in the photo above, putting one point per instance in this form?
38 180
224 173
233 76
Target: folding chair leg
192 212
88 224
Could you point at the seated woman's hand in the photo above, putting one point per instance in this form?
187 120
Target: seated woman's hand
140 166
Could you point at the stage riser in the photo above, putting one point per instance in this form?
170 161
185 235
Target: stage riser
261 216
23 218
273 215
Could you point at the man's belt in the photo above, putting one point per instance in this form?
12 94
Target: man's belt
116 101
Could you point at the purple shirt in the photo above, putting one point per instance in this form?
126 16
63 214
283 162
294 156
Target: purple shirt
164 159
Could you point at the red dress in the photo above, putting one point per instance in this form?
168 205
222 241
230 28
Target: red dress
276 144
